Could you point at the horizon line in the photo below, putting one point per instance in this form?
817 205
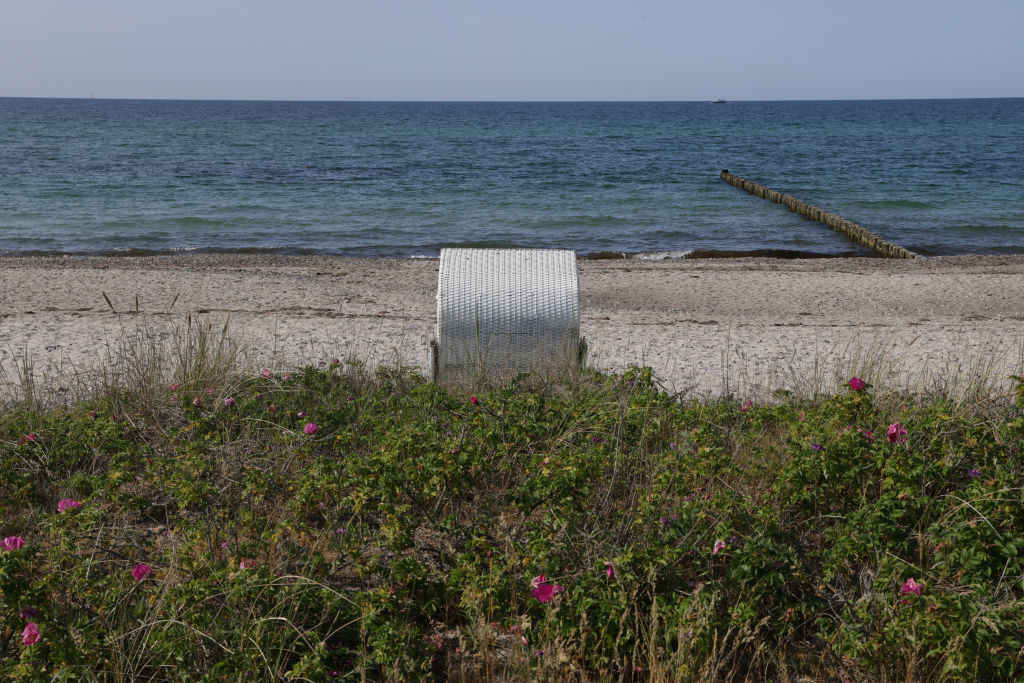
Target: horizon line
498 101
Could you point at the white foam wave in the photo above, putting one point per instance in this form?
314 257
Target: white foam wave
661 255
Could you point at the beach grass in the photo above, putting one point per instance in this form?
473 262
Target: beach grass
183 514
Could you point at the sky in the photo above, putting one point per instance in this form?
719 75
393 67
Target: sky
512 50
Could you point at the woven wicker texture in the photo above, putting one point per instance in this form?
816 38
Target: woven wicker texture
506 309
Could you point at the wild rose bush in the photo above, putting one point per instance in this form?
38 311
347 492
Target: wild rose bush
596 530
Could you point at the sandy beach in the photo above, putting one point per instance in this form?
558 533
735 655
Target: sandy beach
742 326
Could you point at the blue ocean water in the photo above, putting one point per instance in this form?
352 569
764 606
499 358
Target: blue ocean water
405 179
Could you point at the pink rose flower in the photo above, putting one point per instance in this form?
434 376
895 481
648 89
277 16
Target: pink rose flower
67 504
474 400
30 636
12 543
609 570
897 433
911 587
311 428
544 591
857 384
141 571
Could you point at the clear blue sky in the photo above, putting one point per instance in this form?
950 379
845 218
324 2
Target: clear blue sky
512 49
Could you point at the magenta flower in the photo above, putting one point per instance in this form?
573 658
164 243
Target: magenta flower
30 636
609 570
31 437
857 384
544 591
67 504
141 571
197 401
474 400
301 413
817 447
719 546
311 428
911 586
27 613
229 401
897 433
746 406
266 374
174 387
12 543
866 434
246 563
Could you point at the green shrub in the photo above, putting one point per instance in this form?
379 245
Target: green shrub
403 537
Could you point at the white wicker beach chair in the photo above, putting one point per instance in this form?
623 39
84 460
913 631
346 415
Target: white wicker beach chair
505 311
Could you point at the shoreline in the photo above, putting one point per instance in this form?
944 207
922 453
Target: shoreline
596 255
734 325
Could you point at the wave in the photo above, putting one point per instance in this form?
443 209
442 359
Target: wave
980 229
432 252
168 251
719 253
893 204
605 255
662 255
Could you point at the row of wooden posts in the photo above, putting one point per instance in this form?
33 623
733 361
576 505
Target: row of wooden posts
856 233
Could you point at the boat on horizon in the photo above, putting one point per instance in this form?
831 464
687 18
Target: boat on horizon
720 100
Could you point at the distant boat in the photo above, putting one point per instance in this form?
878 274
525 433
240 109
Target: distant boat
718 101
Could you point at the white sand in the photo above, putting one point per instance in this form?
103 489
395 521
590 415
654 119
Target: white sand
732 325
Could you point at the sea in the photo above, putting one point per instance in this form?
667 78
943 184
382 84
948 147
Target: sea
405 179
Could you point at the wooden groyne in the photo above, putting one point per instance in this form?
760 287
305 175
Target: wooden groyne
856 233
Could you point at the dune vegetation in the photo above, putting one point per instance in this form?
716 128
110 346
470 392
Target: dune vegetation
193 519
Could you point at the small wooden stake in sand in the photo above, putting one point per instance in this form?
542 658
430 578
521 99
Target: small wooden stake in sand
107 299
